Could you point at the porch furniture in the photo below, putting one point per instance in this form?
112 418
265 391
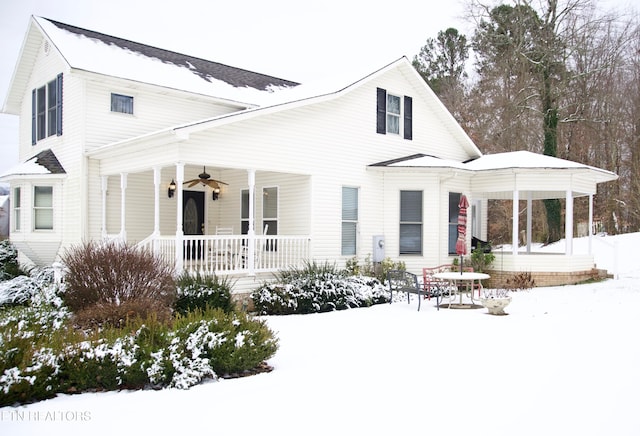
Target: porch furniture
403 281
462 283
225 257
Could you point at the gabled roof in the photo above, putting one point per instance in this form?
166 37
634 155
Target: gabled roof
306 95
206 70
94 52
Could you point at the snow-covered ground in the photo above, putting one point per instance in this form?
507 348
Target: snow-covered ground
565 361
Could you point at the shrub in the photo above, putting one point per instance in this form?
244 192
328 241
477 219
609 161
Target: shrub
22 289
481 261
378 270
202 292
9 266
317 288
520 281
112 282
144 353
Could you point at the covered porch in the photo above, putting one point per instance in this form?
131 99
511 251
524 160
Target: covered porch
524 177
228 222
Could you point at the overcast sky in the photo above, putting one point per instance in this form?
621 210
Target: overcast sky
290 39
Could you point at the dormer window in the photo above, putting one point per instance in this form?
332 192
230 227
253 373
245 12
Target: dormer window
394 114
121 103
46 110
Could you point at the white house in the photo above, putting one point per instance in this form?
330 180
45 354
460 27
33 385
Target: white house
228 171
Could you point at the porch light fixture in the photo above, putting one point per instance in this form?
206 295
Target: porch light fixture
172 188
216 193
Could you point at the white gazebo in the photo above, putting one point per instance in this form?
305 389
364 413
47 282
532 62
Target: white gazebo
522 175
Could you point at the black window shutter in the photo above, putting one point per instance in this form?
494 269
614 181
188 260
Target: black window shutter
381 114
59 104
408 118
33 117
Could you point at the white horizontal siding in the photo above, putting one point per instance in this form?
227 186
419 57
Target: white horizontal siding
154 109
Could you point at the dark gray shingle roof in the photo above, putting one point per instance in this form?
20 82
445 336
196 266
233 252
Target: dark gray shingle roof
203 68
48 159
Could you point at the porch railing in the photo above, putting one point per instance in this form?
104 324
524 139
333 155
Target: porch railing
229 254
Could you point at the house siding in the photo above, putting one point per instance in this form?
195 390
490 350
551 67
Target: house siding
329 145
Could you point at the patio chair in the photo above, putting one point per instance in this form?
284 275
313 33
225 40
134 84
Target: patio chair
403 281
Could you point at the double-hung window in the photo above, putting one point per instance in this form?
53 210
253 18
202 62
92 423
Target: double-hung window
244 212
16 208
43 207
411 222
454 200
46 110
349 220
394 114
270 215
121 103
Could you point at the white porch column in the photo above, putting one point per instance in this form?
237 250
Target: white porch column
179 230
105 184
156 207
590 222
568 224
123 206
251 233
156 197
529 220
516 222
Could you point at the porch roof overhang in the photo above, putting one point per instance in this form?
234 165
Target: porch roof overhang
497 176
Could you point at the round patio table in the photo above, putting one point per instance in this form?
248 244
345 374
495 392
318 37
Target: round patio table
456 277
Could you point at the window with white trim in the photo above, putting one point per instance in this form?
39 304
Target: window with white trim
349 221
411 222
46 110
394 114
454 211
244 212
270 214
121 103
16 208
43 208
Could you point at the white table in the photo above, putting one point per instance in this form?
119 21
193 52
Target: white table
455 277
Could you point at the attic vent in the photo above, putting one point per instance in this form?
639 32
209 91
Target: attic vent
47 47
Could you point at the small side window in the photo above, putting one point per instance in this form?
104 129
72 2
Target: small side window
121 103
43 207
16 208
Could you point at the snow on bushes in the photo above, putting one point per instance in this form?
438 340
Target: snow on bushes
317 288
199 346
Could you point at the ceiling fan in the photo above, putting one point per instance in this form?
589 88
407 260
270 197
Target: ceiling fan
205 179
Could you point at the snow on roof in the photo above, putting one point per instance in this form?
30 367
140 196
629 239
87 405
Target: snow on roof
521 159
138 62
43 163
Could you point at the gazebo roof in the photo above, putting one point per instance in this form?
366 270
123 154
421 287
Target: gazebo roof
498 175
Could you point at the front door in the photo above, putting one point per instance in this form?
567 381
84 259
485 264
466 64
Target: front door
193 221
